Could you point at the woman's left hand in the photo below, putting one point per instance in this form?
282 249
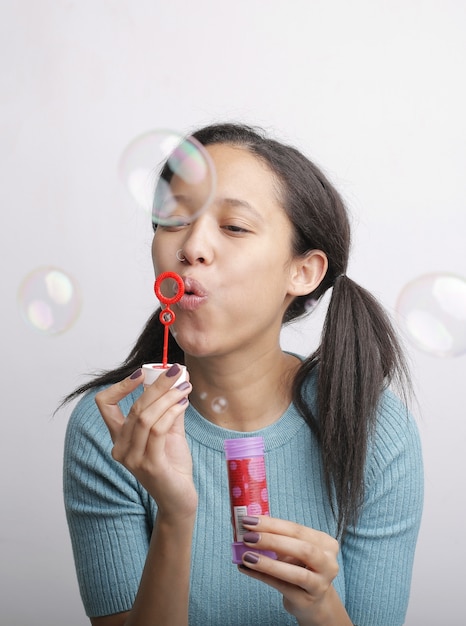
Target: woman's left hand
303 572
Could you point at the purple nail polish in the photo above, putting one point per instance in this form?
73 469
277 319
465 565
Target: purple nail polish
183 401
252 558
173 371
251 537
182 386
136 374
250 520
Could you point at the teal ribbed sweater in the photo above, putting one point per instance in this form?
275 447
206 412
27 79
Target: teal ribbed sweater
110 518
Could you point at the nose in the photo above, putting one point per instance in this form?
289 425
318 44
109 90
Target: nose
198 244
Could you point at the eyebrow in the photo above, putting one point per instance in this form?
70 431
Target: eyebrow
237 202
233 202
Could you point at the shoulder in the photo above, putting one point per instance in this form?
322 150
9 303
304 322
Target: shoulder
395 424
395 443
395 436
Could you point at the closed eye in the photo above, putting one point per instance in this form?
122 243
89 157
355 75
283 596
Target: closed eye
173 224
235 229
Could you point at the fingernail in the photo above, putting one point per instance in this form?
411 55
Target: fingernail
184 385
136 374
250 557
183 401
173 371
251 537
249 520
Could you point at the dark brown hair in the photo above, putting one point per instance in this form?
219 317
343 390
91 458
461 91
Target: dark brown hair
359 354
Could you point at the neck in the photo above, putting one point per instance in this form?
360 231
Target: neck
241 393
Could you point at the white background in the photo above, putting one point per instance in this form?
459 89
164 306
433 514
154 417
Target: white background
373 91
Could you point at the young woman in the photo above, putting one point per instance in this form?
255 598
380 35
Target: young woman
145 476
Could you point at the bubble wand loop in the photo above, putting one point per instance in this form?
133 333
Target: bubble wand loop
167 316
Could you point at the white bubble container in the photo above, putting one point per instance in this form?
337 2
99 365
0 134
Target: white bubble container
153 370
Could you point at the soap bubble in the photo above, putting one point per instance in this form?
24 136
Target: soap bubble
49 300
310 304
219 405
432 311
188 179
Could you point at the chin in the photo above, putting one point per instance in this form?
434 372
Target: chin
197 348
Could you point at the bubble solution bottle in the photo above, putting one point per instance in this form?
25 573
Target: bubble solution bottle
248 488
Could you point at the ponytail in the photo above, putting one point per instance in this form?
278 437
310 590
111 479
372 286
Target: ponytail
358 357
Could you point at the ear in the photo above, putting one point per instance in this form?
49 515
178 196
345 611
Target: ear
307 272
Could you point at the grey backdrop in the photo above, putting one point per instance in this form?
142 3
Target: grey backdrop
373 91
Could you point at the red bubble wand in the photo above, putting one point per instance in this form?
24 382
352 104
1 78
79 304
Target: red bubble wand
167 316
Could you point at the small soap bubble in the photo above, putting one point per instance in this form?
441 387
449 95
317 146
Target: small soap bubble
310 305
49 300
219 405
203 395
168 175
432 311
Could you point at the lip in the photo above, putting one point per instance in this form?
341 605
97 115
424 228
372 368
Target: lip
194 294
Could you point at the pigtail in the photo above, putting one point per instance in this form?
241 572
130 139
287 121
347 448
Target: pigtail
358 357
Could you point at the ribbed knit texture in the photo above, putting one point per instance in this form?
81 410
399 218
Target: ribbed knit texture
110 518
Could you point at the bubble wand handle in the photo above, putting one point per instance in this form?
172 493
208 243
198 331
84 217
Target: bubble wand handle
167 316
165 347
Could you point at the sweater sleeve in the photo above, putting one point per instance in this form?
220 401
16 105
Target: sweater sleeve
108 514
378 553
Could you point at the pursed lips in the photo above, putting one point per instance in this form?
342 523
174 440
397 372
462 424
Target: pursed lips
194 294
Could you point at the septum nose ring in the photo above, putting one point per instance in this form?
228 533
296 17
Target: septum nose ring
180 256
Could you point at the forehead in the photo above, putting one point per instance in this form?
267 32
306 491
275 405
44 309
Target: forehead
239 170
244 182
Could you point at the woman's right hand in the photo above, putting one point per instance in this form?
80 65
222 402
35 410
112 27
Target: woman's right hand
150 442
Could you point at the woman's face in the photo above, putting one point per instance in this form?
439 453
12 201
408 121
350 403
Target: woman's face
238 259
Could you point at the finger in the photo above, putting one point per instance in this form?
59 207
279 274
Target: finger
164 435
264 523
294 551
149 407
108 399
151 423
290 580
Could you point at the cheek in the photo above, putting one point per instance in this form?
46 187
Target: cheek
153 249
268 274
260 285
157 256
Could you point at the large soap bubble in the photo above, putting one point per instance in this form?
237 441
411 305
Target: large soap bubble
432 311
49 300
168 175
